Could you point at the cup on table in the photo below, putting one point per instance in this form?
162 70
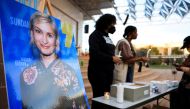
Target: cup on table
106 95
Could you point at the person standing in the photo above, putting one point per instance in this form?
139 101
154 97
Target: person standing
140 66
180 99
128 54
102 58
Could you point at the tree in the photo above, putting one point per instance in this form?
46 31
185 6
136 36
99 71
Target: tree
154 51
142 52
176 51
165 51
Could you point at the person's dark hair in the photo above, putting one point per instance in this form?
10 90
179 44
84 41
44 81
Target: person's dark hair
129 30
104 21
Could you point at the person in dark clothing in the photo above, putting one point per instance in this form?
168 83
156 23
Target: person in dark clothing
102 58
140 66
180 99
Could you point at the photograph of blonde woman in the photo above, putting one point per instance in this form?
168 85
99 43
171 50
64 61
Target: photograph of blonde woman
49 83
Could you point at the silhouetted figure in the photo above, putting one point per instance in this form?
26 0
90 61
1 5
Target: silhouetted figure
140 66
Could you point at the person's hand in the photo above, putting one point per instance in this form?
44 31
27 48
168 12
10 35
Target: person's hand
178 68
116 59
184 69
144 59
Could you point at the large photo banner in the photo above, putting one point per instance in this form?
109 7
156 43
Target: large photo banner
40 71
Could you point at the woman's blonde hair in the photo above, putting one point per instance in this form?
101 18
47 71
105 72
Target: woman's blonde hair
40 17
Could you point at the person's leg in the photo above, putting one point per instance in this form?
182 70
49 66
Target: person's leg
140 67
97 92
97 88
108 82
174 96
130 73
182 100
187 100
96 84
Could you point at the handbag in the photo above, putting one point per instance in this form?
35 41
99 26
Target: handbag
120 70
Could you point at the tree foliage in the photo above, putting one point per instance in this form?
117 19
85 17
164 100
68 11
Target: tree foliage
177 51
154 51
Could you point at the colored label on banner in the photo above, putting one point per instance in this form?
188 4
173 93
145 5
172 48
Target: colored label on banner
67 29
